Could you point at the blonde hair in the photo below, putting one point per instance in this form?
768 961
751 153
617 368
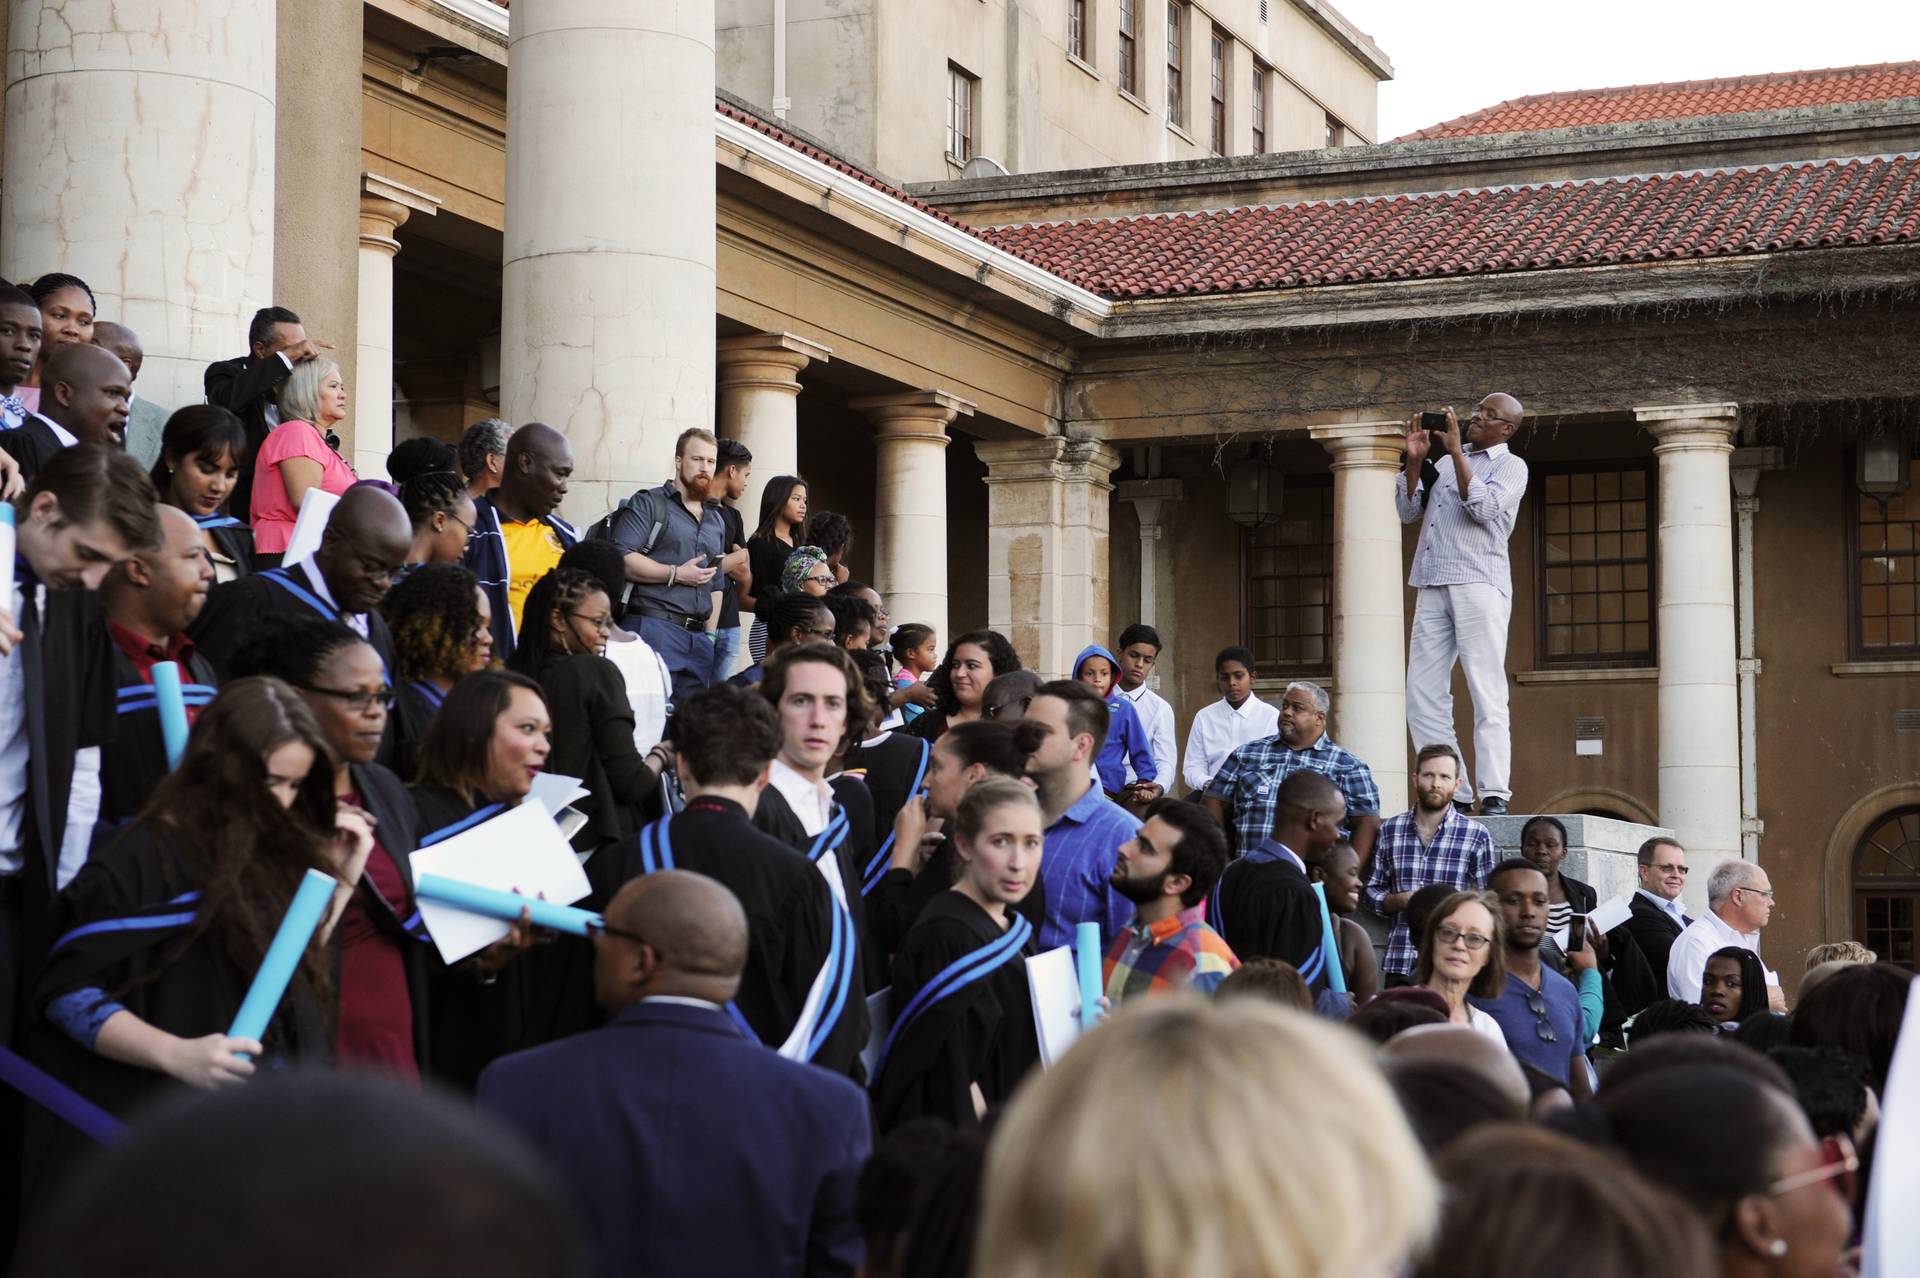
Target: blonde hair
1840 952
299 397
1292 1156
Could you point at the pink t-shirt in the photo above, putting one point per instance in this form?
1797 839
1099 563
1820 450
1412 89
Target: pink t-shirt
273 514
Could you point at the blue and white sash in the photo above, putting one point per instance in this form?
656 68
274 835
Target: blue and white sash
217 521
284 579
1311 967
140 696
968 969
877 867
429 693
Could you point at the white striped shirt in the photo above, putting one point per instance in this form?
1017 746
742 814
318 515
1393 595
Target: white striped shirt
1465 541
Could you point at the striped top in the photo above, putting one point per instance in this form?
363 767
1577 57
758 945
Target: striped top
1464 540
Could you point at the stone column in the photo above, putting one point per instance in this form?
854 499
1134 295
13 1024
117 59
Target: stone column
384 205
140 157
316 204
1048 518
759 404
1694 611
910 501
1369 603
1151 498
607 327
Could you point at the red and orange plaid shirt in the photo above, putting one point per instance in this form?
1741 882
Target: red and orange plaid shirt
1180 952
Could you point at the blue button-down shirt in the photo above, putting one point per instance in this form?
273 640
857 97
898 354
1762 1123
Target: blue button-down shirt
1077 870
1461 856
1464 539
1249 783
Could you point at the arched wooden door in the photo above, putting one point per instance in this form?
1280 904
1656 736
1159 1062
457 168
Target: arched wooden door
1886 888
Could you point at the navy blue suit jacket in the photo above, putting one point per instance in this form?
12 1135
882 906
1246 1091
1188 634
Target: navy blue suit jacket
689 1149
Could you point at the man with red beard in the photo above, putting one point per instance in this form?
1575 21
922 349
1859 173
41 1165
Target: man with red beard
674 537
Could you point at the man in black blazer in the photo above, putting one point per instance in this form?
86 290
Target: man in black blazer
687 1147
247 386
1657 919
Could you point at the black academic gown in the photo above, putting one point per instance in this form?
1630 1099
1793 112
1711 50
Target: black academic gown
790 923
122 927
136 761
415 703
981 1033
32 446
899 896
851 850
234 538
1265 908
233 607
895 769
593 740
398 830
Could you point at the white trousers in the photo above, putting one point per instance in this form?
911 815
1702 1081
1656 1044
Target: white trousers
1467 624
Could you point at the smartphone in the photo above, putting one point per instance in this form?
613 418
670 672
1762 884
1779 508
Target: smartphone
1433 421
1576 932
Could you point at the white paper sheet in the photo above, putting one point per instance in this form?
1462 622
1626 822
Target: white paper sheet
1608 915
521 850
879 1025
1892 1226
315 509
555 792
1055 987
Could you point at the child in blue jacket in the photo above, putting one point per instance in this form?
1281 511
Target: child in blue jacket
1126 737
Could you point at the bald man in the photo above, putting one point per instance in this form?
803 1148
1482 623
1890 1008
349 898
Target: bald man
1467 503
364 545
145 419
517 537
687 1147
84 393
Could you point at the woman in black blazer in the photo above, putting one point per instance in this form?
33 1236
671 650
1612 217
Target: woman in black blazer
563 639
200 453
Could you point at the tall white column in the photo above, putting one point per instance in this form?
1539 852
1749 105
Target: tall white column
139 156
1369 603
759 404
910 501
607 325
1694 610
1048 520
1151 499
384 205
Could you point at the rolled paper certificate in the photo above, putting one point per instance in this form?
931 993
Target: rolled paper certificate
505 906
283 956
1087 956
1330 943
173 709
6 541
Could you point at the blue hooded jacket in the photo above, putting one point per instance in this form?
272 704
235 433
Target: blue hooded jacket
1126 736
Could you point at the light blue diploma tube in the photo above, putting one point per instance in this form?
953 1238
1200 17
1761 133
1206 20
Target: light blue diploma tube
1330 943
1087 957
505 906
283 956
6 547
173 709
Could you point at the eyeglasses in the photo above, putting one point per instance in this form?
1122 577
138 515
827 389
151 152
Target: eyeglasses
1838 1162
358 702
1538 1006
818 632
1766 892
599 927
465 526
1447 934
1668 869
601 625
822 579
995 711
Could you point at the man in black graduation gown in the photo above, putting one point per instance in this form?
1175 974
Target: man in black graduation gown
247 386
150 601
365 544
795 995
84 398
1263 905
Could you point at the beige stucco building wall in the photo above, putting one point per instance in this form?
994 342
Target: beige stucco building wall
869 77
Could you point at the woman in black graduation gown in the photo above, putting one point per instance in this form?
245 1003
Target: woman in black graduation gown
160 935
963 1035
384 950
442 625
479 758
563 641
200 452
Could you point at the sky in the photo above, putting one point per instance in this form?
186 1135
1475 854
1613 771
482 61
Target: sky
1452 58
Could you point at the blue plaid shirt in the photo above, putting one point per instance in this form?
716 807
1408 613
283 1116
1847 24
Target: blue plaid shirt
1249 783
1076 869
1461 856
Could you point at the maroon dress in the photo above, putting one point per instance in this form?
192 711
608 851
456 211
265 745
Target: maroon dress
376 1009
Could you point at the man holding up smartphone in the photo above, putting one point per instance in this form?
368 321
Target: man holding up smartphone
1464 582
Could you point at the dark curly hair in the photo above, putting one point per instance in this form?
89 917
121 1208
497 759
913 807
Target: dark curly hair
421 455
434 617
431 492
999 651
561 590
832 533
290 646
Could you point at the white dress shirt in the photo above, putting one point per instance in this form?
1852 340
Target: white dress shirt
1220 729
1670 908
1465 541
1687 961
811 801
355 621
15 750
1156 716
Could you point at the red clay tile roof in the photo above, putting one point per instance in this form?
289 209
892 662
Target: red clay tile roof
1569 224
1684 99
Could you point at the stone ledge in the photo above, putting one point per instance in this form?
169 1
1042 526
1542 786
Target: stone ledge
1629 674
1866 669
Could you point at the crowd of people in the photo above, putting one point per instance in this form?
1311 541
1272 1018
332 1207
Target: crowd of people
799 1036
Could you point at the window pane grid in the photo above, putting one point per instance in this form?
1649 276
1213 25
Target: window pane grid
959 114
1288 570
1259 97
1077 28
1219 88
1886 575
1129 54
1596 567
1176 111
